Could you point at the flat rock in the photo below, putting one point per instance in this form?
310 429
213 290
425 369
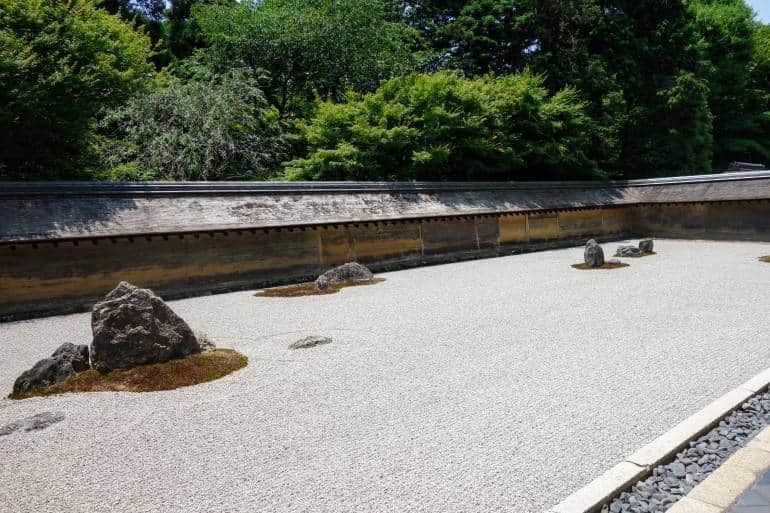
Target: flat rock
627 251
65 362
310 342
593 254
345 272
133 326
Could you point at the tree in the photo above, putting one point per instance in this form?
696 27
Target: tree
149 15
207 127
60 64
491 36
308 47
184 34
443 127
726 31
636 62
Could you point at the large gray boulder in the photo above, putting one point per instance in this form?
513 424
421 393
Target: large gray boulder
133 326
628 251
593 254
64 363
345 272
646 245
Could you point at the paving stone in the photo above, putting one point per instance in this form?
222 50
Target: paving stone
724 485
688 505
752 498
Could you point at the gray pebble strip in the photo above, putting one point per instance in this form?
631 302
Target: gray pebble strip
670 482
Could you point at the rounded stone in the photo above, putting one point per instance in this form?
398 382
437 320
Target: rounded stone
593 255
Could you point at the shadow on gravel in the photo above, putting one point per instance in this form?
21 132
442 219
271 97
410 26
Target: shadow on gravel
606 265
309 288
33 423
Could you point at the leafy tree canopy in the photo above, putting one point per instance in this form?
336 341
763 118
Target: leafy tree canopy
207 127
308 47
60 64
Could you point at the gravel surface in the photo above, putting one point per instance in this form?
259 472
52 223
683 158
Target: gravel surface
494 385
670 482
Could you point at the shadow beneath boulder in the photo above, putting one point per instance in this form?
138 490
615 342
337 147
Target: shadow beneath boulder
605 265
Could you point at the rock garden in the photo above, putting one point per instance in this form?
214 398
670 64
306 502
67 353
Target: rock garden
593 255
139 344
593 258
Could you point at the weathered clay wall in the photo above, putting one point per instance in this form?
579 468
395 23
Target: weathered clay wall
52 277
63 246
733 220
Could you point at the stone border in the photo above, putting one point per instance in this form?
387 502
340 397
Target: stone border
622 476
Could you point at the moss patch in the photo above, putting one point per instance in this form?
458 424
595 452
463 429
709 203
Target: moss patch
194 369
765 259
308 289
606 265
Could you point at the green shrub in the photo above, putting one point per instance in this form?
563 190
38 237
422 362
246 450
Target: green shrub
60 64
208 127
443 127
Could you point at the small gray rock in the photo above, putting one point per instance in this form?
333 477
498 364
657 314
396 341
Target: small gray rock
309 342
133 326
593 255
345 272
646 245
204 342
64 363
627 251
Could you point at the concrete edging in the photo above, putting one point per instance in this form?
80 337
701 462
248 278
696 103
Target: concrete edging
622 476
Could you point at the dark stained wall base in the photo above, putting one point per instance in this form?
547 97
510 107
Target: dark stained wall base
47 278
50 277
732 220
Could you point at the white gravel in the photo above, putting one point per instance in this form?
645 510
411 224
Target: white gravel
493 385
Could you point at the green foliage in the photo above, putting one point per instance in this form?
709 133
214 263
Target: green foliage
661 74
184 34
629 59
443 127
60 64
309 47
626 88
726 35
208 127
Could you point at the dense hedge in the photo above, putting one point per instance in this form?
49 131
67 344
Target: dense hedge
443 127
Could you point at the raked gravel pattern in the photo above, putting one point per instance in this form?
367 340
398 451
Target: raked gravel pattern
495 385
670 482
